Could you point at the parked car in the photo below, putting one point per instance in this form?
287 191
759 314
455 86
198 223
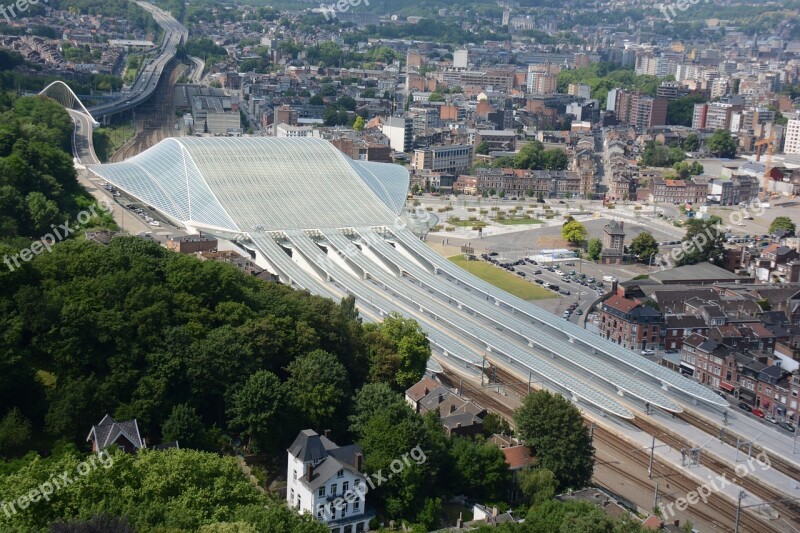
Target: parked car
787 426
744 407
771 419
521 274
565 292
579 312
759 413
537 272
648 351
539 281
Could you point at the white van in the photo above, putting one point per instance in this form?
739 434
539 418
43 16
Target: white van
609 279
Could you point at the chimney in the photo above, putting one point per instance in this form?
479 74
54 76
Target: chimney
310 472
677 523
426 391
494 512
452 408
359 461
327 433
458 425
441 398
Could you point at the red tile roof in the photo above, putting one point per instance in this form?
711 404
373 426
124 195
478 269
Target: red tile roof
619 303
517 456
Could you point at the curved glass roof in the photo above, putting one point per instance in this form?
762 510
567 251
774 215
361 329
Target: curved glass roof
261 183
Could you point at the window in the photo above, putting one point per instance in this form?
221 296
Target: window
291 495
294 474
340 473
345 486
333 512
321 491
333 489
356 505
320 510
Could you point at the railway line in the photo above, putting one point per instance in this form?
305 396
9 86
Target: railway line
154 119
717 514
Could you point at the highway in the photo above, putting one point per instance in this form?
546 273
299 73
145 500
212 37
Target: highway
147 81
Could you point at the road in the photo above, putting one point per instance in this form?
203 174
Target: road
147 80
197 72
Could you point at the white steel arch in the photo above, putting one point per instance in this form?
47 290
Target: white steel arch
61 93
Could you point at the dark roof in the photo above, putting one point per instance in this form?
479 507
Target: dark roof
774 371
614 228
324 471
310 446
463 420
108 431
421 388
684 321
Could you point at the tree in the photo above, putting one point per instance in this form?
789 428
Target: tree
359 124
658 155
554 428
680 111
482 148
399 353
176 490
387 435
538 485
255 409
371 399
317 387
185 426
573 232
691 143
15 433
644 246
494 423
782 223
480 467
721 144
707 243
554 159
594 249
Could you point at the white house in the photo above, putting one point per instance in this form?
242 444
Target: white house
326 480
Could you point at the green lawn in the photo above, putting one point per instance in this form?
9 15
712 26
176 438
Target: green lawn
503 279
518 221
466 223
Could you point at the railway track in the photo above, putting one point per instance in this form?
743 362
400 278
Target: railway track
718 512
154 119
778 463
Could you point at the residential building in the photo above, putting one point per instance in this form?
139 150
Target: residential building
400 132
792 142
123 434
630 323
677 191
326 481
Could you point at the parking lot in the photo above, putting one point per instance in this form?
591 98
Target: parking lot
575 289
